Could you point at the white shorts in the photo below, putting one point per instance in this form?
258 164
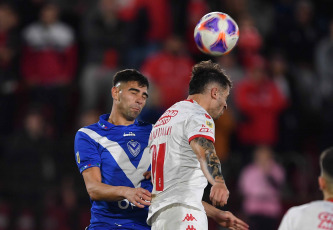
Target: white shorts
179 217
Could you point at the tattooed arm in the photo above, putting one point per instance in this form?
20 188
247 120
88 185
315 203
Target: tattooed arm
211 167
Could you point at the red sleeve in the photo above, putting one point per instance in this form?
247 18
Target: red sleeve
200 135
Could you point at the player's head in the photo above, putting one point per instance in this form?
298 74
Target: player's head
129 93
326 177
209 79
130 75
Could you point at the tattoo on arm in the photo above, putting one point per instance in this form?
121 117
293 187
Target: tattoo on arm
213 162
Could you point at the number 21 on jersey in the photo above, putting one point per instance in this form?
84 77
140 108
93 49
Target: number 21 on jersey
157 165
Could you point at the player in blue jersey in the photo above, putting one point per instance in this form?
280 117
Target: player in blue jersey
114 161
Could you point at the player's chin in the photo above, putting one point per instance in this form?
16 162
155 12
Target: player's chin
135 113
217 116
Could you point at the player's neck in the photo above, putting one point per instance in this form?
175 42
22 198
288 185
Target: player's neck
201 100
117 119
327 195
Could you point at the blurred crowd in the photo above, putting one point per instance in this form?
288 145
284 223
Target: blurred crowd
57 60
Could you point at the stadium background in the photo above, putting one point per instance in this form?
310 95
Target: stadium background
55 79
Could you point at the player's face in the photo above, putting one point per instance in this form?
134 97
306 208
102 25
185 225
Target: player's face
220 104
131 99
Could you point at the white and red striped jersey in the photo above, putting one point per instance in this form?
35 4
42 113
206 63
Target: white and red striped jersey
311 216
177 176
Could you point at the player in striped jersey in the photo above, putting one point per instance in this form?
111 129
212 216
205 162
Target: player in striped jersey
113 159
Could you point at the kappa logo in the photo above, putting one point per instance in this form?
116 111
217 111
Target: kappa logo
190 227
189 217
134 147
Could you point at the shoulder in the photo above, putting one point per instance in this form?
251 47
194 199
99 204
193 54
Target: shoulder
87 130
301 209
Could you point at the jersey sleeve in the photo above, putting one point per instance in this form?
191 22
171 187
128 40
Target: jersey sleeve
200 125
86 152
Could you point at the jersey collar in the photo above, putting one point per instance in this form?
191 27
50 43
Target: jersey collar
104 124
330 199
189 100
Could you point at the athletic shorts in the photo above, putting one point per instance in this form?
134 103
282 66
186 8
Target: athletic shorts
120 227
179 217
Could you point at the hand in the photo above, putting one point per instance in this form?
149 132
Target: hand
138 196
219 194
228 220
147 175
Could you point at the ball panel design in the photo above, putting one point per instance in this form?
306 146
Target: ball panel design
232 28
216 33
219 45
211 24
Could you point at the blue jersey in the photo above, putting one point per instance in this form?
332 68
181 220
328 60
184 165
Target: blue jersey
121 154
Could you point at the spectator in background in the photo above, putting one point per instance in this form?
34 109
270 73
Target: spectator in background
9 47
28 168
60 207
300 37
231 64
105 38
260 183
49 62
324 67
288 122
250 42
260 103
169 71
151 23
195 9
308 106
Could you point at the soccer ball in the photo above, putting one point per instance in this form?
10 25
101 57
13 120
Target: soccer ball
216 34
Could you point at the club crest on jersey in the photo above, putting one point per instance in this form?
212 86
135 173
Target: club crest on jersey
209 124
134 147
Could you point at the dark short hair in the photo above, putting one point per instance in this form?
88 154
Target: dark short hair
326 162
206 72
130 75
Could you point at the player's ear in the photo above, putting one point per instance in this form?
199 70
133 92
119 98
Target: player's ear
214 92
322 183
115 93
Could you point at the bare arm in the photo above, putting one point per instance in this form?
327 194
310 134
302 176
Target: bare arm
211 167
99 191
224 218
209 161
